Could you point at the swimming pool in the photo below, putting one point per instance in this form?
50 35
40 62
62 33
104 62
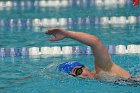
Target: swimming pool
22 26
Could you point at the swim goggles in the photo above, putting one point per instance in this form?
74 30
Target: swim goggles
78 71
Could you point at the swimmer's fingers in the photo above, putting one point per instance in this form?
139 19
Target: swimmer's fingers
57 33
54 39
49 32
52 31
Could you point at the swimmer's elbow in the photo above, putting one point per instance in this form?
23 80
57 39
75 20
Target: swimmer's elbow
95 41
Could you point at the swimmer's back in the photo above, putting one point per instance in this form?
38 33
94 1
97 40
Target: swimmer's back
105 76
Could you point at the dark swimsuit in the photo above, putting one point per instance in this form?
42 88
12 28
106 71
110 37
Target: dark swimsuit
131 81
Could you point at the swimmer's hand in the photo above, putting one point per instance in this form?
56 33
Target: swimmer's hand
58 34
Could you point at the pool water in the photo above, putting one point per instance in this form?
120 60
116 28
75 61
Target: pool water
38 74
109 34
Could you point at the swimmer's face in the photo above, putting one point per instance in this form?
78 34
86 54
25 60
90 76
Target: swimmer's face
82 72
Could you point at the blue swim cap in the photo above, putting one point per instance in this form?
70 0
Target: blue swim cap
68 66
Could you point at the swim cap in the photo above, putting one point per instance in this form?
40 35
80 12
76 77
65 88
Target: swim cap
68 66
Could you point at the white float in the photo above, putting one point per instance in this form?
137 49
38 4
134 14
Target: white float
122 20
24 51
46 50
11 22
36 22
12 51
66 50
50 3
19 23
120 49
8 4
64 3
62 21
34 51
132 19
43 3
56 50
132 48
2 4
99 3
22 3
56 3
88 50
138 49
29 3
113 20
53 22
104 20
87 21
44 22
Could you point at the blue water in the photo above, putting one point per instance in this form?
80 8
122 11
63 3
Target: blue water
39 75
109 36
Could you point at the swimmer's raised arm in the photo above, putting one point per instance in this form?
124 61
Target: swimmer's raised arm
102 58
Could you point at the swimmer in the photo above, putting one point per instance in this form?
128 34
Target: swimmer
103 62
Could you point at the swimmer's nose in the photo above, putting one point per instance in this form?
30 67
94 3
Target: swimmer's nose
84 74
